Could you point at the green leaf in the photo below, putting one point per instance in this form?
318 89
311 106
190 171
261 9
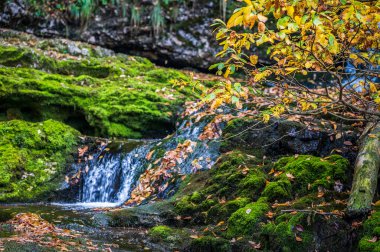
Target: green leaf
293 27
232 68
304 19
282 23
213 66
237 87
317 21
331 40
211 97
234 99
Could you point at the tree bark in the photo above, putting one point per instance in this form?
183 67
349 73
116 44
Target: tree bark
367 165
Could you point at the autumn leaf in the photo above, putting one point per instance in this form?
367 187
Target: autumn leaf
261 27
298 238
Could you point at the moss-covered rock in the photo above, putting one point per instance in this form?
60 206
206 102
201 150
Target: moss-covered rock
278 190
111 95
224 211
32 156
371 230
232 183
246 220
161 232
289 233
307 173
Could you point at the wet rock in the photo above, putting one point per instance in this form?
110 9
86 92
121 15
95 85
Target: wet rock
284 138
186 40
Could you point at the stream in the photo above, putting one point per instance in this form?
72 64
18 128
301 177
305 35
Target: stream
89 222
103 178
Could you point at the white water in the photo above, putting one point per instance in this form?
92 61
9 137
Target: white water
109 177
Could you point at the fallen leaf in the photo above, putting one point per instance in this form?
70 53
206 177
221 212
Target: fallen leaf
374 239
299 239
299 228
255 245
290 176
348 143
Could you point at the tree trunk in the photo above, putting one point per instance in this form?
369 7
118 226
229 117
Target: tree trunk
366 171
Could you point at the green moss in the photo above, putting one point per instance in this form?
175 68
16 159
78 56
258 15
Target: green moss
32 156
232 183
246 220
166 75
252 184
371 228
161 232
236 175
278 190
196 197
117 96
211 244
311 172
282 233
223 211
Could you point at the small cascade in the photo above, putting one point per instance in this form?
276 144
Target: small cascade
110 177
109 174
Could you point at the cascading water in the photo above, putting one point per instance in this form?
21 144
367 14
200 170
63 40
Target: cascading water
111 177
108 177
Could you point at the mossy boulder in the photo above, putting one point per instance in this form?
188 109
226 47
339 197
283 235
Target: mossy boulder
161 232
224 211
303 174
33 157
234 181
111 95
371 230
278 190
248 219
289 232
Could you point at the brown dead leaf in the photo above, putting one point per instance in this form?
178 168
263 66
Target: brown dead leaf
298 238
348 143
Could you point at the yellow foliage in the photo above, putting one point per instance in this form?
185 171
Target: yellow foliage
308 36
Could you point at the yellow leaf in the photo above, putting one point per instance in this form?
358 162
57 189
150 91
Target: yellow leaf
291 69
266 118
372 87
290 11
308 64
254 59
298 20
353 56
231 22
228 86
227 73
216 104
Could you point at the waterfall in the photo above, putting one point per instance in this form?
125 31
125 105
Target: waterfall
110 177
110 173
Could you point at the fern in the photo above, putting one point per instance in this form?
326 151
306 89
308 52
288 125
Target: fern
157 19
135 16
